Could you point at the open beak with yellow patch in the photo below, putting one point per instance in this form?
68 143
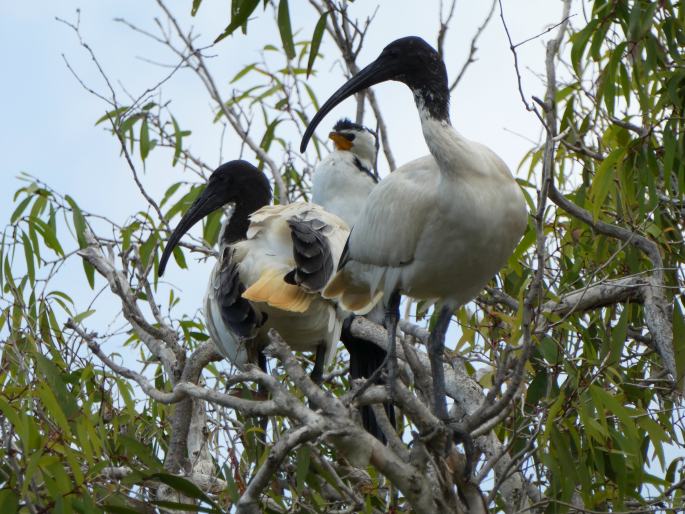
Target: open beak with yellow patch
341 142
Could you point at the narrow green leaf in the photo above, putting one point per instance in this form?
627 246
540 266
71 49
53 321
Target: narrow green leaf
79 221
53 407
247 69
269 135
146 249
28 253
196 6
39 205
2 255
212 227
44 323
9 501
144 140
113 115
679 340
49 233
170 192
178 141
119 509
604 177
83 315
90 273
239 18
286 29
618 337
185 507
302 459
182 485
179 258
54 377
19 210
580 40
316 42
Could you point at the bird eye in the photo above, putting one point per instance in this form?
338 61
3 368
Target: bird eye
349 137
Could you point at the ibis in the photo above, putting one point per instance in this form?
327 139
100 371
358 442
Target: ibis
275 259
439 227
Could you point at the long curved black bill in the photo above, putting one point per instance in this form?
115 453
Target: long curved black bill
207 202
378 71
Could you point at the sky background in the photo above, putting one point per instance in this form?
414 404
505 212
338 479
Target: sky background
49 119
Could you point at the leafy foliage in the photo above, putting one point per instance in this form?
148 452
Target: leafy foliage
597 424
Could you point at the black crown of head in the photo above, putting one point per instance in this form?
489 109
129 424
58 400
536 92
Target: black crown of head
347 124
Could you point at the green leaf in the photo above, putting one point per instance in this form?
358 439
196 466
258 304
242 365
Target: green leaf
316 42
144 140
131 447
178 141
182 486
196 6
83 315
146 249
231 487
679 340
266 141
53 407
119 509
54 377
302 459
239 17
113 115
618 337
20 210
9 501
580 40
90 273
79 221
285 29
247 69
604 177
28 253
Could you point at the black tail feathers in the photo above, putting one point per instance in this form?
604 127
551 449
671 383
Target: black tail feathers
365 358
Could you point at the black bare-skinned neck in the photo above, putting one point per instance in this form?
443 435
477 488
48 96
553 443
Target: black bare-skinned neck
247 188
423 71
237 182
409 60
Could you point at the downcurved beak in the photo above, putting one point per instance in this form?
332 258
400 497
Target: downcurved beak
380 70
208 201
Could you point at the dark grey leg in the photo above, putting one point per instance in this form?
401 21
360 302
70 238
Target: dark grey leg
317 372
436 347
392 318
263 392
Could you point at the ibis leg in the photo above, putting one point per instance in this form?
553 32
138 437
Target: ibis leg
317 372
366 359
436 347
263 392
392 318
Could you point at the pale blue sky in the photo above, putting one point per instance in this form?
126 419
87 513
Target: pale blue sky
49 131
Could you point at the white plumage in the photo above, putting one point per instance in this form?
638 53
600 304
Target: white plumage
303 318
274 260
431 232
439 227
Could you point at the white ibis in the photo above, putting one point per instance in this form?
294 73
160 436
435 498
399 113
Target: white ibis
439 227
344 178
336 184
274 260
